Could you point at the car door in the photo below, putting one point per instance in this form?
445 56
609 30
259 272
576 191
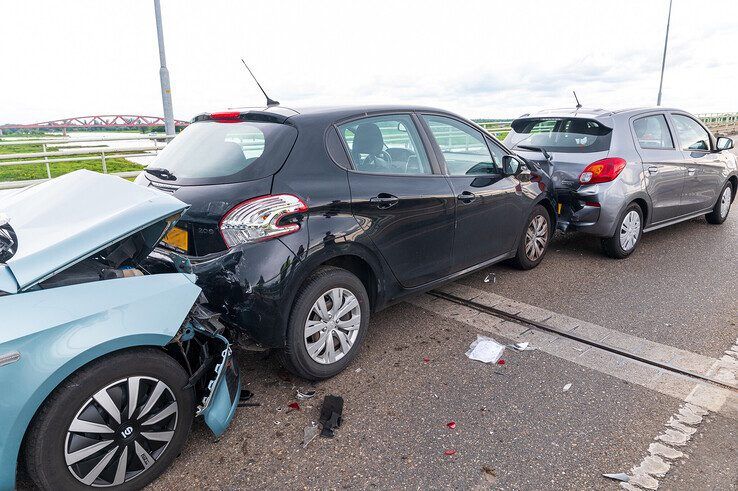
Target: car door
704 176
399 197
663 165
487 225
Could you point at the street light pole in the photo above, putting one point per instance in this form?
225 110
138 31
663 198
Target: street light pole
166 90
663 60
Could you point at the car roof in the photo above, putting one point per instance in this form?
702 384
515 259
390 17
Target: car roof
595 113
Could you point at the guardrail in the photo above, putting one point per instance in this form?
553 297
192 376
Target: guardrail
83 154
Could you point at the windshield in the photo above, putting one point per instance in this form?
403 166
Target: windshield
211 152
571 135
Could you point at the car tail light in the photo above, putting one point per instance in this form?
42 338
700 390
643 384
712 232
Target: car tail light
225 116
260 219
604 170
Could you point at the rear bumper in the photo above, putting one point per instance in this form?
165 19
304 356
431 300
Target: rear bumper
585 209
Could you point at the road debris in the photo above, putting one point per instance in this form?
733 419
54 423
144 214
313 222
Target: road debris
449 452
490 277
245 397
566 387
451 424
293 406
309 434
331 415
521 346
620 476
485 349
501 361
308 394
426 359
489 474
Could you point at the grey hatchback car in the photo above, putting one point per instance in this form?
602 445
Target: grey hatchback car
621 173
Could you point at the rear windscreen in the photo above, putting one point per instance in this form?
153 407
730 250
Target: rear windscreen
211 152
572 135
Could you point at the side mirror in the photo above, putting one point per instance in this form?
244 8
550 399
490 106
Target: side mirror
724 143
513 165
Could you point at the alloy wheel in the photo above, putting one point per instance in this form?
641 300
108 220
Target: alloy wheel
630 229
332 325
725 202
121 431
536 237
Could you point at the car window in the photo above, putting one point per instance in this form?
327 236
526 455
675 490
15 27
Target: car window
463 147
691 134
653 132
570 135
385 144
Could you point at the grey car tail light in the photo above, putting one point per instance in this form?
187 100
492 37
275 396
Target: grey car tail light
260 219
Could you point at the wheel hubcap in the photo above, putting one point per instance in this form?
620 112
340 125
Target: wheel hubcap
332 326
120 431
630 229
725 202
536 237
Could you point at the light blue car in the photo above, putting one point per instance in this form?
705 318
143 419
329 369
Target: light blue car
107 352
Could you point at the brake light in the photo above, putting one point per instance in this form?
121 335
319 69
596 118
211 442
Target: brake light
260 219
225 116
604 170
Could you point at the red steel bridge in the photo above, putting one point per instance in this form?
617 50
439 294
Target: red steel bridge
100 121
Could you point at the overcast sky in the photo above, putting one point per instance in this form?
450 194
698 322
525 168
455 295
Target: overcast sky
480 59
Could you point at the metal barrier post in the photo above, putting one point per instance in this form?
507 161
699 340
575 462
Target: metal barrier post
104 164
48 167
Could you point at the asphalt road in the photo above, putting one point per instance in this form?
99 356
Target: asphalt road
516 428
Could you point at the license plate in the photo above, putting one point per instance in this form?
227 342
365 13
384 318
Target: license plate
558 208
177 239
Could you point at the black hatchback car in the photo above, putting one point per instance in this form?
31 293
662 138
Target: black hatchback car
303 222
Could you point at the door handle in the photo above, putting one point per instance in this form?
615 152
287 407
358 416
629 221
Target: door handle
691 171
466 197
384 201
653 170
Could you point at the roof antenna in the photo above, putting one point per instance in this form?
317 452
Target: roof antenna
579 106
270 102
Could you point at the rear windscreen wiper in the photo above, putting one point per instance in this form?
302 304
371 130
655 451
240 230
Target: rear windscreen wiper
536 149
161 173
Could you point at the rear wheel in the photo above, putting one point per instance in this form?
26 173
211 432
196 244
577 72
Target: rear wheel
327 324
721 209
534 243
627 234
119 422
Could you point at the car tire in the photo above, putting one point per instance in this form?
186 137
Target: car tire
535 240
628 233
52 440
721 209
303 353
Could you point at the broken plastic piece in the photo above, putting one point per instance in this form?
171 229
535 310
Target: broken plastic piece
309 434
450 452
500 362
331 415
308 394
491 277
293 406
485 349
567 387
620 476
426 359
451 424
520 346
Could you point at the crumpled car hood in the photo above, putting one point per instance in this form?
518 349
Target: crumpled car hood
64 220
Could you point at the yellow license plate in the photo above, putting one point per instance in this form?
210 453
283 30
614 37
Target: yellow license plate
176 238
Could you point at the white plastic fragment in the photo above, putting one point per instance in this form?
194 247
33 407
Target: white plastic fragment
521 346
308 394
620 476
566 387
485 349
309 433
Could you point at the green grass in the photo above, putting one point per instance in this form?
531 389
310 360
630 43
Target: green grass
38 171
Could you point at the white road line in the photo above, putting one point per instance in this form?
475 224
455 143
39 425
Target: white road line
702 394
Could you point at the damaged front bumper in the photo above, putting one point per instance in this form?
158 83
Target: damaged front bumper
208 356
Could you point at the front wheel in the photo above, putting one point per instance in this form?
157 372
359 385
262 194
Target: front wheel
721 209
117 423
627 234
327 324
534 243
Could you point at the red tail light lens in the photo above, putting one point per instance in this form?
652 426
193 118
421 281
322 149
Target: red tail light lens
260 219
604 170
